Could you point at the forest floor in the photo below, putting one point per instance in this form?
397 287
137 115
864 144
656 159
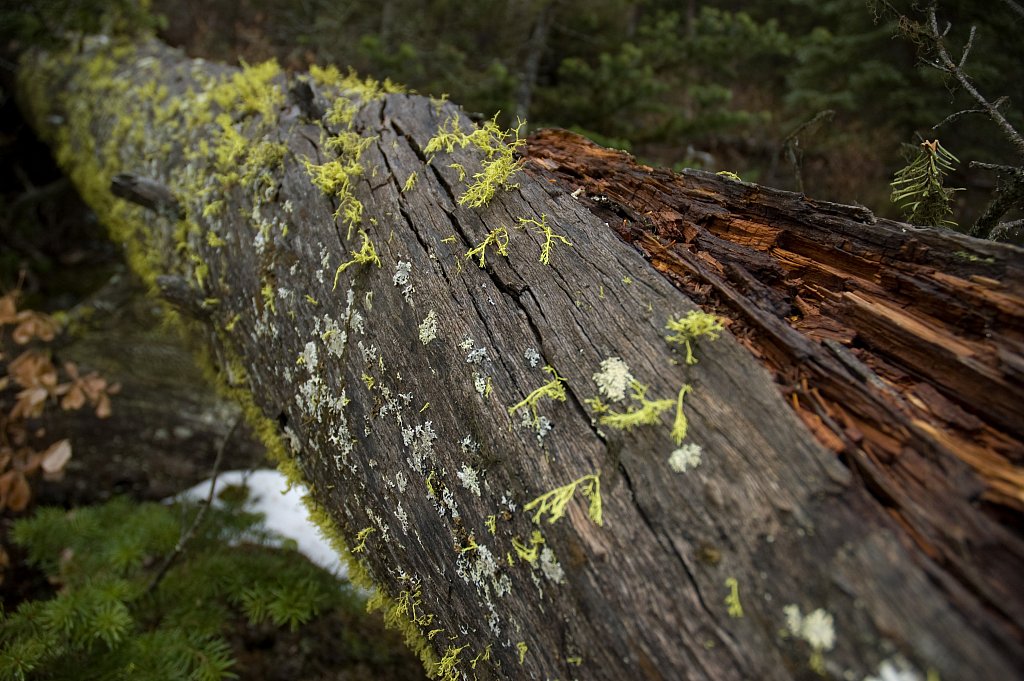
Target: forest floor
53 249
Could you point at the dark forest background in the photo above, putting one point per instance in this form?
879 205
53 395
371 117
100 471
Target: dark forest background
743 86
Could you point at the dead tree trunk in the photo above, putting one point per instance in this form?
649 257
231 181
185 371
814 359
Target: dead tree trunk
856 505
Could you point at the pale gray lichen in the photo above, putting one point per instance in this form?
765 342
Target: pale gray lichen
613 378
468 477
550 567
480 383
428 329
532 356
685 457
896 669
402 278
469 445
420 441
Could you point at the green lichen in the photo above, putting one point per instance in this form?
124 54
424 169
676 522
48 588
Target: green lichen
732 600
530 552
361 537
499 165
686 330
447 668
549 235
680 425
647 413
366 255
498 238
410 182
554 503
553 390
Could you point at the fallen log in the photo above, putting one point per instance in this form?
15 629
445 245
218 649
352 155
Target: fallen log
472 370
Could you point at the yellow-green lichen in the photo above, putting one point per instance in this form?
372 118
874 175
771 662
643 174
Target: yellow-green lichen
554 503
553 390
647 413
498 238
366 255
499 165
686 330
549 235
680 425
732 600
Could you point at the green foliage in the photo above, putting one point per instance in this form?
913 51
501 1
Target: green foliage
107 622
918 187
53 22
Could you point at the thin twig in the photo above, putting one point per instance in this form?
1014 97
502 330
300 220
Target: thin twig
1015 7
967 47
183 540
949 66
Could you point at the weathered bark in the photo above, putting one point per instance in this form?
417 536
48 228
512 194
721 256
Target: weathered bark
871 470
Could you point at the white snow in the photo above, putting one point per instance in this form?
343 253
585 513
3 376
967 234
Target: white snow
283 511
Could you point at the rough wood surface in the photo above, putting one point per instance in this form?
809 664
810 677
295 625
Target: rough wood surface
393 432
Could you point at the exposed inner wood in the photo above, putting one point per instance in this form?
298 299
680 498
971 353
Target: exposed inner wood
900 348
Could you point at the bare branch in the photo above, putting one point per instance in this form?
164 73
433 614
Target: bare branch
950 67
1004 231
953 116
967 47
179 548
1016 7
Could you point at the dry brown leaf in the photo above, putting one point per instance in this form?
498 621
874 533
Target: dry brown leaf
30 403
103 410
32 324
73 399
9 308
56 457
15 492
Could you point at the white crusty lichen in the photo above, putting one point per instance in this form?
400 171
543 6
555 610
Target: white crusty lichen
420 441
482 384
898 669
469 479
685 457
816 628
403 272
550 567
428 328
532 356
613 379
